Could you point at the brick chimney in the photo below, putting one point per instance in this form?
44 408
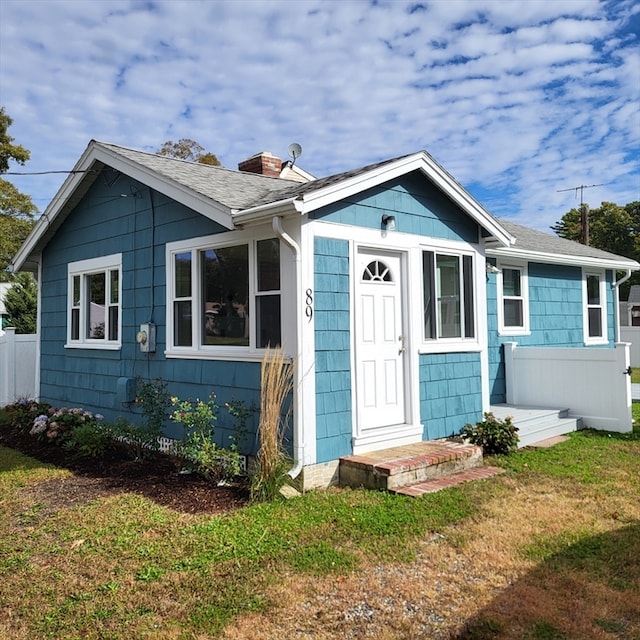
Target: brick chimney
263 163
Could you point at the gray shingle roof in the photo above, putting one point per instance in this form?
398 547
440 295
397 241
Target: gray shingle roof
533 240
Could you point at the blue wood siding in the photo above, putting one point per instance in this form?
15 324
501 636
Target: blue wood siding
418 206
450 393
138 226
555 313
332 346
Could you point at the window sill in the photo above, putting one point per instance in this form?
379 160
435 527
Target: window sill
449 347
194 354
94 346
507 332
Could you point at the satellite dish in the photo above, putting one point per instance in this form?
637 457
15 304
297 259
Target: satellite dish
295 151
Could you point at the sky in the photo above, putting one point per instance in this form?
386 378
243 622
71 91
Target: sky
521 101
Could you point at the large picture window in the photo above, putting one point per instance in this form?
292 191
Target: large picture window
513 300
94 316
448 296
226 297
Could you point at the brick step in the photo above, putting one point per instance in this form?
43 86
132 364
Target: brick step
431 486
396 467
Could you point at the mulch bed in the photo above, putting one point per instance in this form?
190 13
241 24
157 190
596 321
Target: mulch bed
156 477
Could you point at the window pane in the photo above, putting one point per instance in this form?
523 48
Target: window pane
513 316
97 312
225 288
75 324
428 285
182 335
269 265
183 275
593 290
114 289
448 287
113 323
267 321
511 282
469 312
595 323
76 291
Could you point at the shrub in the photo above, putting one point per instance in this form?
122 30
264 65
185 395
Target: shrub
56 425
493 435
21 414
89 440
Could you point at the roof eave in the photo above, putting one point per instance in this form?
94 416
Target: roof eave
564 259
258 214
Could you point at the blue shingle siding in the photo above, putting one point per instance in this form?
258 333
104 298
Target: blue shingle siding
332 344
104 223
418 206
555 317
450 393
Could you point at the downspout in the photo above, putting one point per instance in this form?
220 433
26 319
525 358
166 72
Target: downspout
298 431
616 302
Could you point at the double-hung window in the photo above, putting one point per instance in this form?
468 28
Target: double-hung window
448 296
513 300
224 297
595 319
94 307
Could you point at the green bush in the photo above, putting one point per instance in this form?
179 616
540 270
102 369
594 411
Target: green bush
57 425
89 440
493 435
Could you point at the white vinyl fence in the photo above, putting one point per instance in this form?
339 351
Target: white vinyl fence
17 366
632 336
592 383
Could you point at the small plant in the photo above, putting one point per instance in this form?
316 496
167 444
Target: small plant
22 413
197 447
493 435
89 440
272 462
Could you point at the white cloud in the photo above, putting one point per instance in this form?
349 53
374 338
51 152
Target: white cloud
516 99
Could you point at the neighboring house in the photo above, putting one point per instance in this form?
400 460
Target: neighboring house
630 309
4 316
392 288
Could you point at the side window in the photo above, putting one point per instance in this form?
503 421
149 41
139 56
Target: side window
594 296
513 299
94 310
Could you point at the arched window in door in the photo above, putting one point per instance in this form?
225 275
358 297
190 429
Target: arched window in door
377 271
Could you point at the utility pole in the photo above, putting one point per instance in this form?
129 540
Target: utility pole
584 209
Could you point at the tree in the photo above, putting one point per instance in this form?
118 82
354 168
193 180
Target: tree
21 303
612 228
16 209
187 149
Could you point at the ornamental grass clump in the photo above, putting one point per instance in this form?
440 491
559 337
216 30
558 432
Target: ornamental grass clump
272 462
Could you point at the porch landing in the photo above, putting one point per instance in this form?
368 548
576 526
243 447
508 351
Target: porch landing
415 469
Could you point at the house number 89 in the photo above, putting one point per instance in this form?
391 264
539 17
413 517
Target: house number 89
308 311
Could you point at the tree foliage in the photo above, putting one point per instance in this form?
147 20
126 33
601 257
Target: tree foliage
187 149
21 303
612 227
16 209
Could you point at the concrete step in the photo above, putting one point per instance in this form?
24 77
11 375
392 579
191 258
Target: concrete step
537 423
390 469
431 486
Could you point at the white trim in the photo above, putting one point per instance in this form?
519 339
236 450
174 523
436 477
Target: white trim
522 267
81 269
604 338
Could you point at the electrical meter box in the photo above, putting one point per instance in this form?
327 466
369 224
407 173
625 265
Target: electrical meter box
146 337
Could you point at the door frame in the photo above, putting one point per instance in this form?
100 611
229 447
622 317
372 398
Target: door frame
408 431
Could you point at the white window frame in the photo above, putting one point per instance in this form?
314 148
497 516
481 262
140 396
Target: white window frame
434 344
220 352
83 269
503 329
586 307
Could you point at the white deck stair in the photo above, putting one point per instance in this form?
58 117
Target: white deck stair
537 423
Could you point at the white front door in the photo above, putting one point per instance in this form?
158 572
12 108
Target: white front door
379 341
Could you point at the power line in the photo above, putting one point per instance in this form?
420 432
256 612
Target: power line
43 173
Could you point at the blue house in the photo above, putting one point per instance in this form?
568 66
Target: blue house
405 304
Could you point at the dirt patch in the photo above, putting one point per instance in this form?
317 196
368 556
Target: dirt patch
156 477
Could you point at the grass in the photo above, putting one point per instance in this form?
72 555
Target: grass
513 557
635 375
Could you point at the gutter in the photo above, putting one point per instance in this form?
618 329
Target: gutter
616 302
298 430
